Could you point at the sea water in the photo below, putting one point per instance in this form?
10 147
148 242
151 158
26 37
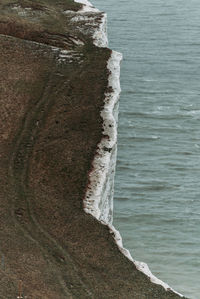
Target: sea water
157 185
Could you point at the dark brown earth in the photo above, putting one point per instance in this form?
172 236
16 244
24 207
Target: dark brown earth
50 126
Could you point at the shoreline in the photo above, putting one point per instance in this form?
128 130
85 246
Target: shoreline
96 186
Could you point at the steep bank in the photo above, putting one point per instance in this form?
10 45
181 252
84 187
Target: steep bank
54 125
99 196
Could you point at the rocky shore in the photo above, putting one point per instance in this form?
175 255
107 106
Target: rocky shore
59 91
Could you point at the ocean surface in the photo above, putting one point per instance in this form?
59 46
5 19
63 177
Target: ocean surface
157 186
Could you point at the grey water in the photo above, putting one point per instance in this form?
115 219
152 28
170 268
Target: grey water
157 185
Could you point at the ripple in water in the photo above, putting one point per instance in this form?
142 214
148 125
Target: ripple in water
157 187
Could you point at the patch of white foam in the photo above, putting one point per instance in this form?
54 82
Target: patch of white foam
87 6
100 32
98 26
98 199
100 35
82 18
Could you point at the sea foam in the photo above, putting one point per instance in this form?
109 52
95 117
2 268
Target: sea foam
98 200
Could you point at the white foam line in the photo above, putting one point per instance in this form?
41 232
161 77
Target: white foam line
101 163
100 34
99 176
143 267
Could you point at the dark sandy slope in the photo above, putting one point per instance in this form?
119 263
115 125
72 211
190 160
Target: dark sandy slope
50 126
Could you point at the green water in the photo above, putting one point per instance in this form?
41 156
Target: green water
157 186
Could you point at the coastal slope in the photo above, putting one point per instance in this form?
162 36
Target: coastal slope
55 82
